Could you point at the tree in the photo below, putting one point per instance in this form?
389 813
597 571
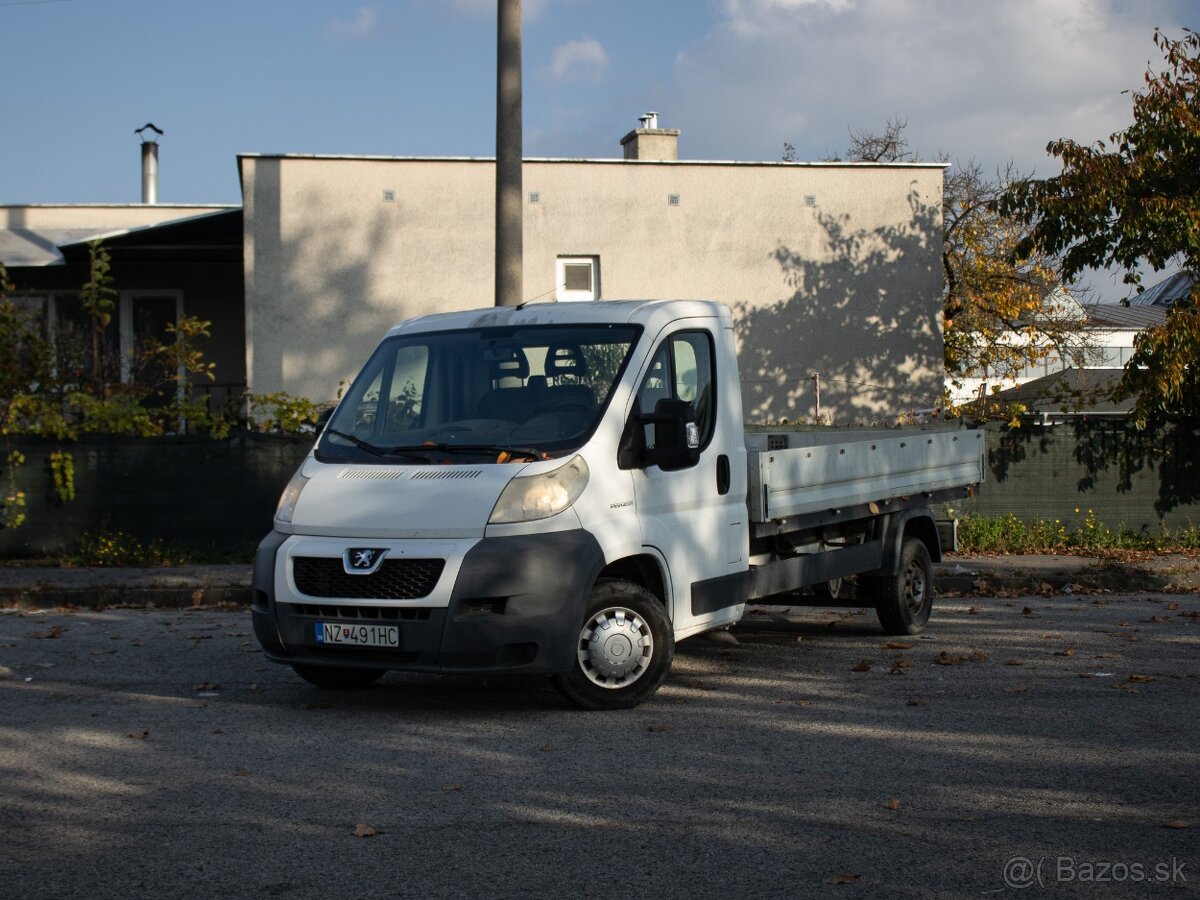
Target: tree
1003 310
1135 201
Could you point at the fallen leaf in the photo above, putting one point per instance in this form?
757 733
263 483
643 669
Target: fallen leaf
207 686
657 729
546 748
945 659
913 703
139 735
364 831
49 634
972 611
697 684
1019 689
897 645
1140 679
899 665
240 773
1066 651
1172 606
892 803
842 878
1027 611
861 666
197 598
217 731
980 656
1014 662
1177 823
452 787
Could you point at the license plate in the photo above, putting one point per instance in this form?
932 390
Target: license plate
358 635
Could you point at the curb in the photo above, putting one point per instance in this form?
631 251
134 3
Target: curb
226 587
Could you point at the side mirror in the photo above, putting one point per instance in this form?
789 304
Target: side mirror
676 435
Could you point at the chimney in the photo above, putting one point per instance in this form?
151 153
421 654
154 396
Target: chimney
149 162
648 141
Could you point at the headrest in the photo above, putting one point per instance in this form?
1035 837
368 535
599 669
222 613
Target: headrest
565 359
506 361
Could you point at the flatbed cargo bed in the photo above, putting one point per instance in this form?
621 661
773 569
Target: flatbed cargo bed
796 473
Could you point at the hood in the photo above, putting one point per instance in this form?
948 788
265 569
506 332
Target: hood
357 500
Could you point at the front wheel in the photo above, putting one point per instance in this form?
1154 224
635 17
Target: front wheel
623 651
904 601
337 678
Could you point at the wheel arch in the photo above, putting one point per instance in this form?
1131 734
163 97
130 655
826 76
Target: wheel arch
643 570
916 523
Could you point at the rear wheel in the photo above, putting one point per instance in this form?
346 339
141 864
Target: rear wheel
337 678
904 601
623 651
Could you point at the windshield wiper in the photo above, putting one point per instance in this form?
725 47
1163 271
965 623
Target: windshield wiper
379 451
357 442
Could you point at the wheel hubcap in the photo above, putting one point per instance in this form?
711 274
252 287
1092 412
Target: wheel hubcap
914 587
615 647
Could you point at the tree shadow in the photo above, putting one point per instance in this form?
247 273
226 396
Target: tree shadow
863 313
1124 474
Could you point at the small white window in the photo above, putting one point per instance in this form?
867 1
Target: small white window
578 278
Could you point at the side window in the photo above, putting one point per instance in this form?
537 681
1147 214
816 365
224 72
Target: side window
682 369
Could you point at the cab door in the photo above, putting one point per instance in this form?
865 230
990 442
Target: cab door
693 512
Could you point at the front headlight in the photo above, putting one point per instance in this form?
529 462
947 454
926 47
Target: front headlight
529 497
288 499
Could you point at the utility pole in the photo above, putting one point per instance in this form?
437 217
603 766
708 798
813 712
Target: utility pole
509 236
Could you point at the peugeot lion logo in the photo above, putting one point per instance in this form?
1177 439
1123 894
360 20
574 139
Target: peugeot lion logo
363 560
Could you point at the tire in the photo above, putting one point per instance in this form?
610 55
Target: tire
904 601
624 649
337 678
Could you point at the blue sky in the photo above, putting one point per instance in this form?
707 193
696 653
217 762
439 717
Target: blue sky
992 81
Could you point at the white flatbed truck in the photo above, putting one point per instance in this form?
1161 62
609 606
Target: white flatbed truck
568 489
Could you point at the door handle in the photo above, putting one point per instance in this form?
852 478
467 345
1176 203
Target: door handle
723 477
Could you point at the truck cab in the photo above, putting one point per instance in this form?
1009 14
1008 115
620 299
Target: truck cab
553 489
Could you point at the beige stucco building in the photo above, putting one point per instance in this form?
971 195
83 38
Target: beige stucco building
831 268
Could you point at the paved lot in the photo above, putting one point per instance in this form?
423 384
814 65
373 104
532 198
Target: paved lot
156 753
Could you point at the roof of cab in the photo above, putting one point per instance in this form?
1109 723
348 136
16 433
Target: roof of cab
652 314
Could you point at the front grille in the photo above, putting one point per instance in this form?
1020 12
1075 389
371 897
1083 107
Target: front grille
396 579
365 613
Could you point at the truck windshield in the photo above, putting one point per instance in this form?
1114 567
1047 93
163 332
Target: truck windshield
486 394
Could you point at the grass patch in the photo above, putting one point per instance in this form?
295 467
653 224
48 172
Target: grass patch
1084 533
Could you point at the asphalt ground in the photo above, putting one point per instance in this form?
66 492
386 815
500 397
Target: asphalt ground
1050 739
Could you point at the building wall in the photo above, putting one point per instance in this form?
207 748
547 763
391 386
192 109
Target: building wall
829 268
97 215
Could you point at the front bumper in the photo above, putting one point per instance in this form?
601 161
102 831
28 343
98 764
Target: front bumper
508 604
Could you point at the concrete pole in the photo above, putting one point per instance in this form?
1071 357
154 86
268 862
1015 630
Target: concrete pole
509 236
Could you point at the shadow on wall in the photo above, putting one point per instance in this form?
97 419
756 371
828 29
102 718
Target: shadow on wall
864 316
315 319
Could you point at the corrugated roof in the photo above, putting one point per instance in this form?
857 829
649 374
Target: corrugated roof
1070 392
1117 315
1166 292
